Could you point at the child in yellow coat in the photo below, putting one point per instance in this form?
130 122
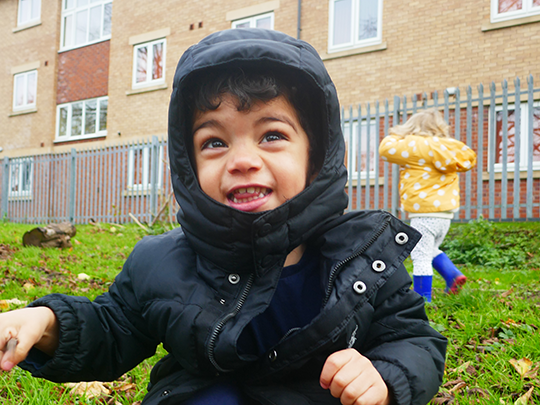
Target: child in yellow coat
429 188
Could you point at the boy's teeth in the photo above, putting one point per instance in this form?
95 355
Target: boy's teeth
258 191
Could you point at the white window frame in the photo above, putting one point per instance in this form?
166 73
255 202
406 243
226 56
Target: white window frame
353 43
25 105
25 186
145 185
527 11
72 12
524 144
35 9
149 63
69 106
353 150
252 20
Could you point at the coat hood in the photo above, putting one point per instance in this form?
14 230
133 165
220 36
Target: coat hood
240 241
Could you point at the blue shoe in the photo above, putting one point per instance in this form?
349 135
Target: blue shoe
453 277
422 285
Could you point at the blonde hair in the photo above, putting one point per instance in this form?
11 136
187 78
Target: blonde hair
428 122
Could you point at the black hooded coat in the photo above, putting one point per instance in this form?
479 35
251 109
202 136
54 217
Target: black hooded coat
194 289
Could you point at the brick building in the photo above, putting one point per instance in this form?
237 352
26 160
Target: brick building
99 72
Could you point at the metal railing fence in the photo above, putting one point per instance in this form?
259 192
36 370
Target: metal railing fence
114 184
131 181
501 125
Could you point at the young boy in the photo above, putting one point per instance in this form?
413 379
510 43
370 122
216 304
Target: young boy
268 293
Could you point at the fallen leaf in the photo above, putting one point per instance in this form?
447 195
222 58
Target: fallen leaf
5 304
507 293
522 366
83 276
478 392
524 399
89 389
458 387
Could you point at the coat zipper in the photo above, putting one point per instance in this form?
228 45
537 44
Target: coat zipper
217 330
337 267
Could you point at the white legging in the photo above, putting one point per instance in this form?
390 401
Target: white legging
433 231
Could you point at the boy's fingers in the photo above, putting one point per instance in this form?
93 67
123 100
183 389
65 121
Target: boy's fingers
332 365
9 355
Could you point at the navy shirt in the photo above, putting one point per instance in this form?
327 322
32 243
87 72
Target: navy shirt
296 301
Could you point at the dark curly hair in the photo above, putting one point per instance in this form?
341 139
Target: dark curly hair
251 86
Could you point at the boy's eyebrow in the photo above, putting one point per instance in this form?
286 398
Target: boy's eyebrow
207 123
277 118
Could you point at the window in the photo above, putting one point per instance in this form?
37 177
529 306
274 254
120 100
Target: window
354 23
149 63
259 21
140 167
24 90
525 133
356 150
502 10
85 22
82 119
29 11
20 177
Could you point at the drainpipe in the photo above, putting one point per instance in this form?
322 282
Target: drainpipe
299 23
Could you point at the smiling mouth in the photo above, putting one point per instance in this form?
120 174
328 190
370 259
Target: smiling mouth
248 194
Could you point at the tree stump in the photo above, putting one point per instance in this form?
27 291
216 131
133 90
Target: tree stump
52 235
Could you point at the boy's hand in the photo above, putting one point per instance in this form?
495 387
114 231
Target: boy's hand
22 329
352 378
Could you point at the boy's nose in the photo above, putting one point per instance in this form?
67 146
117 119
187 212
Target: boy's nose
243 159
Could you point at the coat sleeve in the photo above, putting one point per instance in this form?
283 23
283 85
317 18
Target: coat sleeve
99 340
408 353
450 155
392 148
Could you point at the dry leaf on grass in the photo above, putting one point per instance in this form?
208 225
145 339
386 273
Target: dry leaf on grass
524 399
522 366
5 304
89 389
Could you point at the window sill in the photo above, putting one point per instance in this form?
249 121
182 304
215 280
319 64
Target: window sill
23 112
355 51
141 192
148 89
27 197
26 26
363 181
510 174
80 138
84 45
489 26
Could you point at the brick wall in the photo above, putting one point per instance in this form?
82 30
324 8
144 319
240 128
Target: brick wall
83 73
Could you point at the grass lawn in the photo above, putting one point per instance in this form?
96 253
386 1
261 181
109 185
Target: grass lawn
492 325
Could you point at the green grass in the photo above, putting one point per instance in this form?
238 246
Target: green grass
495 318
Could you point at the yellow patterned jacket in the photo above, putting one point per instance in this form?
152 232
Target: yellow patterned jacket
428 170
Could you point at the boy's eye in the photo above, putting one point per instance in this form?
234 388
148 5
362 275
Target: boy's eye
213 143
273 136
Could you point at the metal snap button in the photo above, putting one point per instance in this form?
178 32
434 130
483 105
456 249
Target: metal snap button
265 229
234 278
378 266
402 238
359 287
272 356
165 393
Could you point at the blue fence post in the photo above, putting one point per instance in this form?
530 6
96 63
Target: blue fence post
395 172
72 184
5 188
154 178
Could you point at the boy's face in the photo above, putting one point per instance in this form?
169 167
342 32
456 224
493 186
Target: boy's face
251 160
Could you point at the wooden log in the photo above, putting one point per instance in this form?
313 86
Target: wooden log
52 235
